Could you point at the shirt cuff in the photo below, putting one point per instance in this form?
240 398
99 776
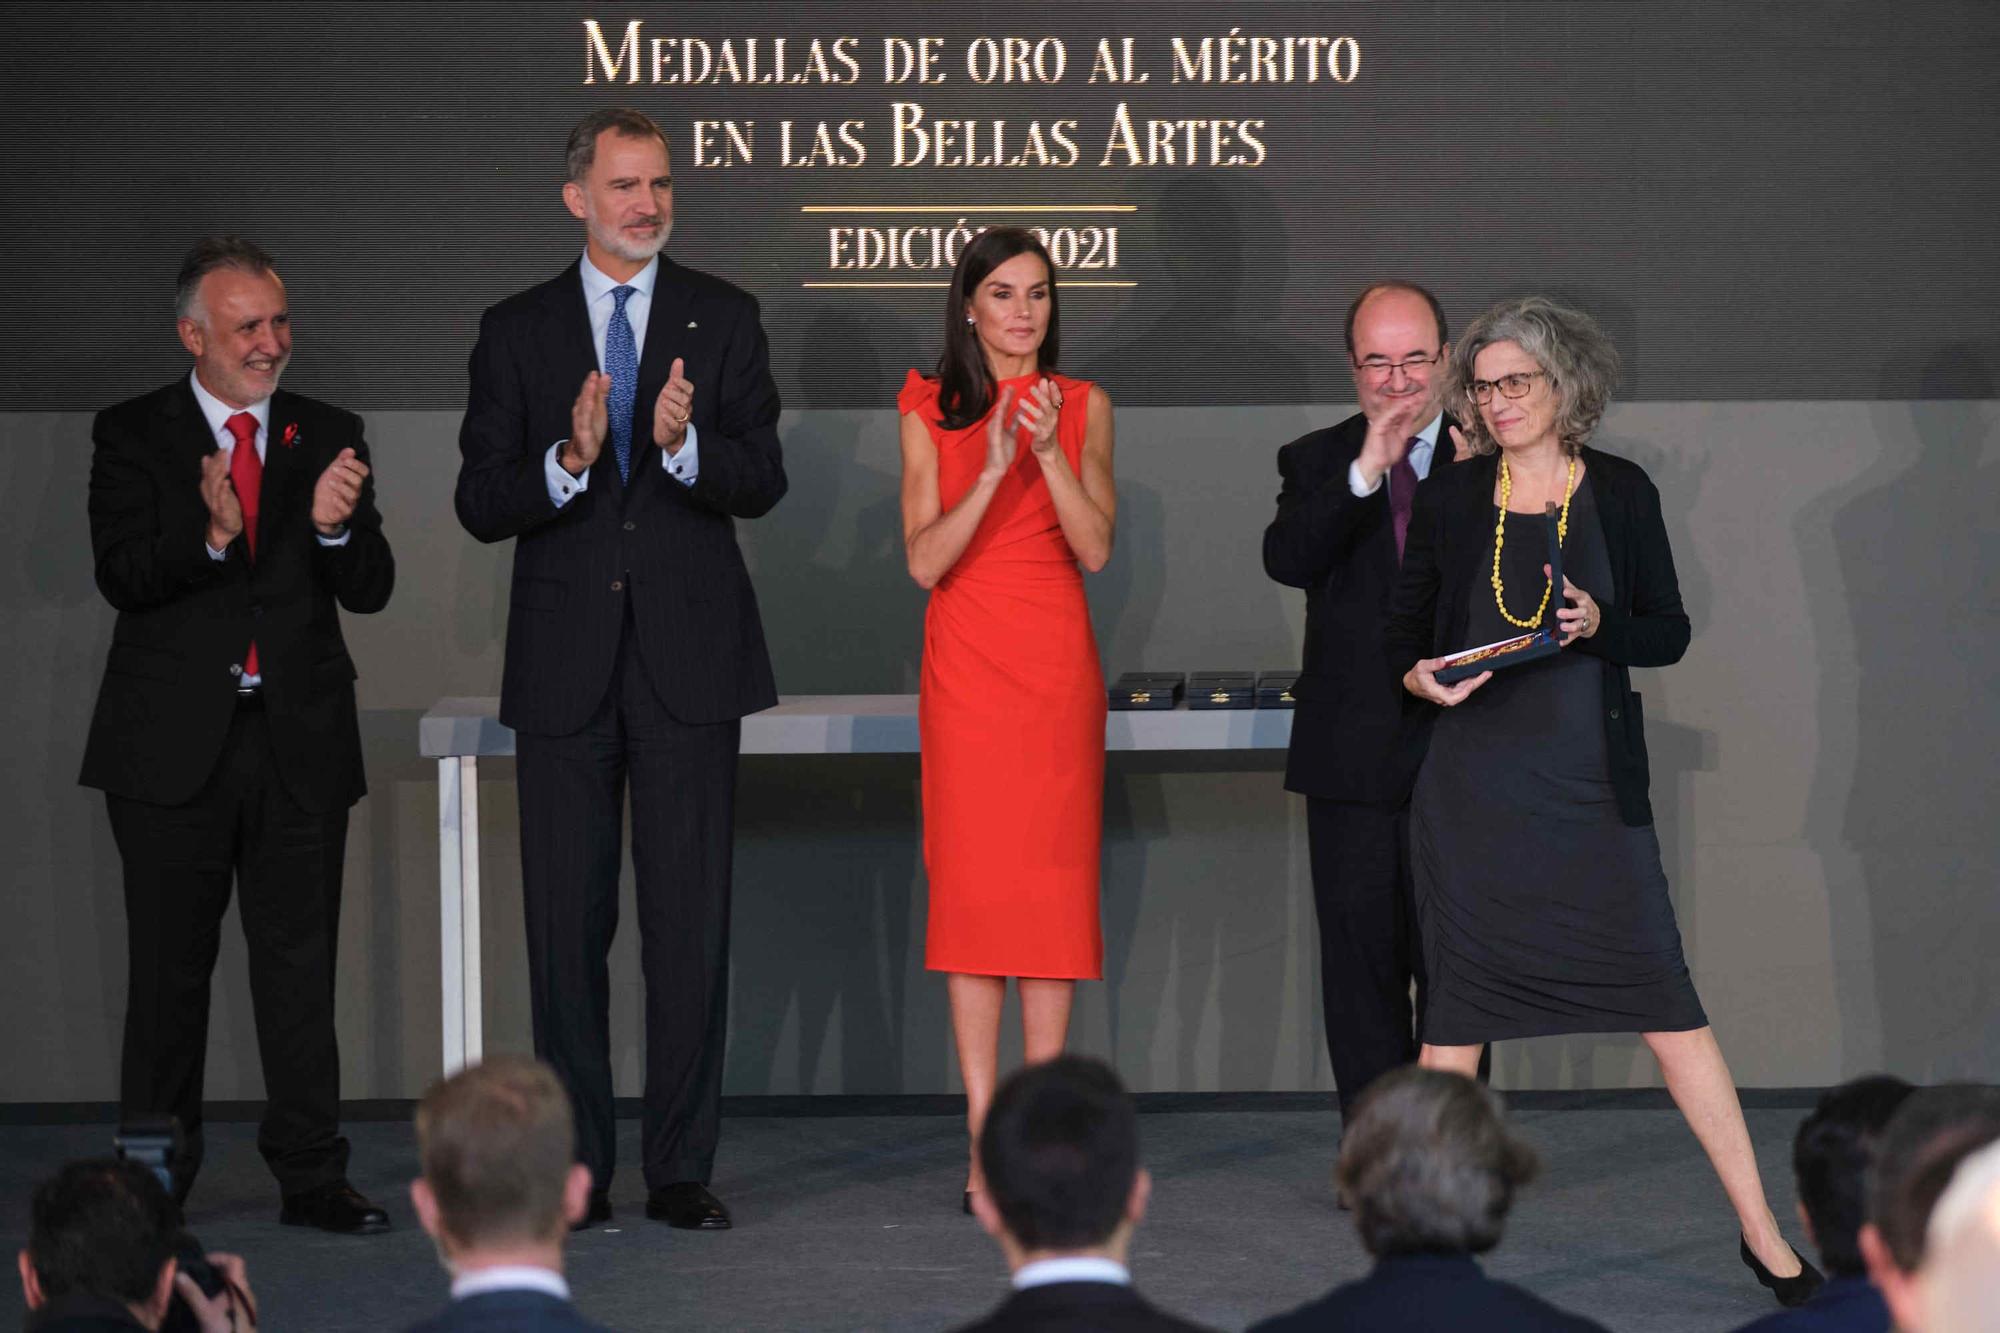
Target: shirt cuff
325 540
214 554
562 486
1355 484
685 466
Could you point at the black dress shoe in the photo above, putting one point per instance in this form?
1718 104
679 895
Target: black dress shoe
688 1206
596 1214
1790 1291
337 1207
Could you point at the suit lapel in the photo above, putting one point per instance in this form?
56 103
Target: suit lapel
288 470
185 429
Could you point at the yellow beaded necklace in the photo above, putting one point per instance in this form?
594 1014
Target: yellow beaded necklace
1500 542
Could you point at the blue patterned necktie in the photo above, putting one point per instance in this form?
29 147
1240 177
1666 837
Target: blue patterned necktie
621 363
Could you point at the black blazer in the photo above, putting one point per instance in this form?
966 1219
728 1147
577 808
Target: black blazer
508 1312
670 548
184 620
1643 622
1085 1307
1421 1292
1351 738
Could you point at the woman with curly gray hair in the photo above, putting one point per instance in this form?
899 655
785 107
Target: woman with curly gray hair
1542 906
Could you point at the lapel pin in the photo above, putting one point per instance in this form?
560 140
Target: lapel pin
691 324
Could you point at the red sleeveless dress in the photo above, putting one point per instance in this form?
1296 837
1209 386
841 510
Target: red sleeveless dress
1011 712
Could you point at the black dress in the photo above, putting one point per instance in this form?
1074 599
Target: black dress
1540 911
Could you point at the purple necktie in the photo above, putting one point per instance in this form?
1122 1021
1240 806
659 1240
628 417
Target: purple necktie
1402 491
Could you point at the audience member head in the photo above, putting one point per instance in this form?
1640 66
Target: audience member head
1933 1131
1429 1166
1831 1155
103 1228
500 1183
1060 1150
1962 1249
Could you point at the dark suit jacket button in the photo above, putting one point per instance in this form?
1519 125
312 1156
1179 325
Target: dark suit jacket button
617 585
629 526
1614 715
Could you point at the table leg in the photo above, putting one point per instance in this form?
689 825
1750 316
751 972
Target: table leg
458 911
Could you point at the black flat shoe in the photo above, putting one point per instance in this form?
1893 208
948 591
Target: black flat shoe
598 1213
1790 1291
688 1206
338 1207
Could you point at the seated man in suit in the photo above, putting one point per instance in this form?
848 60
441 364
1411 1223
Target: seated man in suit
1831 1155
500 1189
1933 1131
100 1257
1064 1190
1430 1171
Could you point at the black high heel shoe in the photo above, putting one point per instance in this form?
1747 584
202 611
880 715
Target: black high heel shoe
968 1203
1790 1291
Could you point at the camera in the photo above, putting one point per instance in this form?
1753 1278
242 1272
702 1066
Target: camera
154 1142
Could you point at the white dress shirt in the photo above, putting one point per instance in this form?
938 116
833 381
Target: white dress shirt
1421 453
599 303
218 413
510 1277
1080 1268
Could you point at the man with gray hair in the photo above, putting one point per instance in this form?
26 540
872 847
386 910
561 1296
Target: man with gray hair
1931 1134
620 419
1431 1170
500 1189
231 522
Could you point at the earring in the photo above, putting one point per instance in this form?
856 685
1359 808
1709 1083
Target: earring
970 320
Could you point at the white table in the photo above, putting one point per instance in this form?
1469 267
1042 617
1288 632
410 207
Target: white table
459 732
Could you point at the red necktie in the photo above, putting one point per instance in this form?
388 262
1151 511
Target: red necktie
246 473
1402 494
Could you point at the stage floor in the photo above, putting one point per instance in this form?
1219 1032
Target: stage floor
853 1222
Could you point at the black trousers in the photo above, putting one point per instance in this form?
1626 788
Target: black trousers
683 790
286 861
1368 954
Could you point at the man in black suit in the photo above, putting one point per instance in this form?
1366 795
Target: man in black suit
230 520
101 1257
1343 512
1064 1191
621 417
500 1189
1431 1169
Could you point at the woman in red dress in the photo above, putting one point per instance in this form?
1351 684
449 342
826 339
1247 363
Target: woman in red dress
1006 491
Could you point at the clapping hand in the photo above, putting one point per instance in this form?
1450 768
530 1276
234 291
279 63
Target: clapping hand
1581 620
672 408
588 422
1388 437
225 511
1460 450
1000 446
1040 411
337 492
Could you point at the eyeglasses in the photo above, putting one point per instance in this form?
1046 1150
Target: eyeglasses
1510 386
1384 370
